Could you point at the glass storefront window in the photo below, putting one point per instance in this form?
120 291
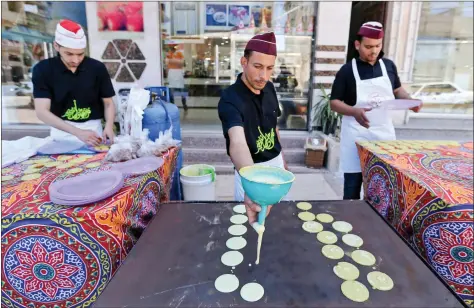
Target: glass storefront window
202 44
443 64
27 37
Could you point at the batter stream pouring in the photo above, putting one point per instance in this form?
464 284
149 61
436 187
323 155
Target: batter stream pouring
265 186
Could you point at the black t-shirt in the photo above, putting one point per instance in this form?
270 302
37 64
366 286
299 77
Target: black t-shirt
344 86
257 114
75 97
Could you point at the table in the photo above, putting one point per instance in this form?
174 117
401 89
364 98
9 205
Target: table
425 191
59 256
177 260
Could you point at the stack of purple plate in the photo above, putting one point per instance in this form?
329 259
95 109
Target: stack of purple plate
139 166
86 189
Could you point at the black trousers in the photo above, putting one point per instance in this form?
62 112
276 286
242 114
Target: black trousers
352 185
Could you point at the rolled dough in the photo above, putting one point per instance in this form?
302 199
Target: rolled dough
352 240
53 164
236 243
226 283
306 216
42 160
31 170
74 171
64 157
312 226
346 271
232 258
30 177
304 206
240 209
326 237
342 226
324 218
332 252
37 166
355 291
380 281
6 170
64 166
7 178
92 165
237 230
238 219
252 292
363 257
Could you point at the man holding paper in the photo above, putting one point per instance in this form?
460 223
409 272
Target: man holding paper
366 81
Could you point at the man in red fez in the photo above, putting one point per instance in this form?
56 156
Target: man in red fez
366 81
72 92
248 110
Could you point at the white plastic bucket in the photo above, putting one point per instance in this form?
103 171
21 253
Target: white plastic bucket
198 182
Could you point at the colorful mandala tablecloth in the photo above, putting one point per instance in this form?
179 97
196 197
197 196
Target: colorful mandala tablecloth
425 191
58 256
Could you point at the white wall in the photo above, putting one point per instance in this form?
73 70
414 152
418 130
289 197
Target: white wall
333 23
149 42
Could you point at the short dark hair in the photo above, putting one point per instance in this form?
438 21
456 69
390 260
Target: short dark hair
247 53
359 37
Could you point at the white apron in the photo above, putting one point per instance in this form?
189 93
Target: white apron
176 78
94 125
239 193
371 91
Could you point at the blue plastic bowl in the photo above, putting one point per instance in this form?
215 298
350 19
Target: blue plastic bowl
266 185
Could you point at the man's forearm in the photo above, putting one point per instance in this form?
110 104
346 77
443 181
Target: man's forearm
52 120
342 108
109 112
240 155
401 93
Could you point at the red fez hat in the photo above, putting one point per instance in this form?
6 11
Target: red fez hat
371 29
264 43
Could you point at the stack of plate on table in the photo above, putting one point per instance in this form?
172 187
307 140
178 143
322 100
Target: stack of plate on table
97 186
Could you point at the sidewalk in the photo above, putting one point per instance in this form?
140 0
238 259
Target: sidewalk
313 186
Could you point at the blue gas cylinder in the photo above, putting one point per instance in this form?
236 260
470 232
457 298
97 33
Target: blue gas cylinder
158 117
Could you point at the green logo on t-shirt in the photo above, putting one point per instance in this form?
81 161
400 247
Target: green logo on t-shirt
265 141
75 113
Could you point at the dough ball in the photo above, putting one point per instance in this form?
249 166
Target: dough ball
236 243
346 271
326 218
326 237
352 240
306 216
304 206
332 252
226 283
363 257
380 281
252 292
342 226
232 258
237 230
355 291
238 219
312 226
240 209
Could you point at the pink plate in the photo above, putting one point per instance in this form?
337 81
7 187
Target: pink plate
400 104
142 165
87 188
59 147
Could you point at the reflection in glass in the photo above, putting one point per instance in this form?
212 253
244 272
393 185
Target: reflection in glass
200 59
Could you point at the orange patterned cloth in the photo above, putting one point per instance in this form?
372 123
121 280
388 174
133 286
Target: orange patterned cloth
59 256
424 189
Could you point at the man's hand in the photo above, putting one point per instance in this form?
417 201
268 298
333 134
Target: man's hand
89 137
359 115
253 209
418 108
108 134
